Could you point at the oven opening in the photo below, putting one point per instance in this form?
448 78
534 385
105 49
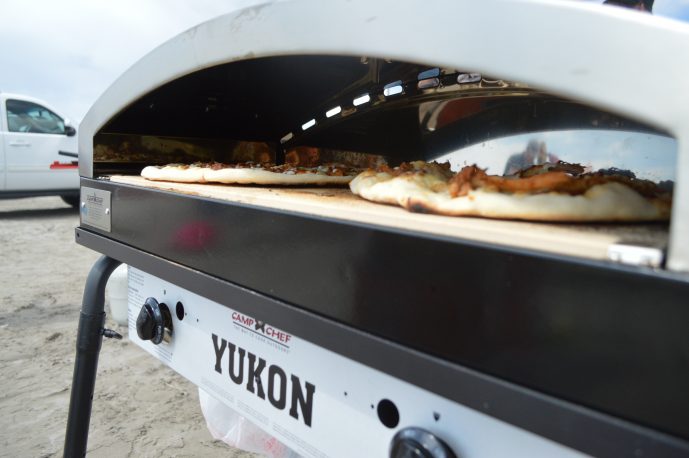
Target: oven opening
366 112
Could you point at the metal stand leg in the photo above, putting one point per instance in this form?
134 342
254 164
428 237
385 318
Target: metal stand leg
89 339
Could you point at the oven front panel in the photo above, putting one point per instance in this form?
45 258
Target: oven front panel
317 402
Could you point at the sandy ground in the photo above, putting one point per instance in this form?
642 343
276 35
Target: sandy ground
141 408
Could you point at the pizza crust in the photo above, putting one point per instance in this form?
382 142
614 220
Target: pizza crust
258 176
244 175
176 173
608 202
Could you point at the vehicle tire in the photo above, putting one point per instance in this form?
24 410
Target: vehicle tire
73 201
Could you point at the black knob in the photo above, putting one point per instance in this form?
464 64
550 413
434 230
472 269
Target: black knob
418 443
152 321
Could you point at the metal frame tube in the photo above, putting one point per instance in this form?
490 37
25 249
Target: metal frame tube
89 340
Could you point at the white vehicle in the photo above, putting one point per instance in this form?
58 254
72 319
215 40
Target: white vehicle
38 151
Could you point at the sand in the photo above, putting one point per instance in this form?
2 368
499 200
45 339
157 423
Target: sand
141 407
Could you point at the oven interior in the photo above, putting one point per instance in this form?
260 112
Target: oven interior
397 110
365 111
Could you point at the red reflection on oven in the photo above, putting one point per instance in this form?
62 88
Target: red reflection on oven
195 236
456 110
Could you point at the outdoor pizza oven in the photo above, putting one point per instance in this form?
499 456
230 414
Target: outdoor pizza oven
482 337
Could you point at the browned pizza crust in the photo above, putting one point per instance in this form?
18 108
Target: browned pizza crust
560 193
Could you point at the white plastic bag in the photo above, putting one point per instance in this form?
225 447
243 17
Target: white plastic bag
235 430
118 295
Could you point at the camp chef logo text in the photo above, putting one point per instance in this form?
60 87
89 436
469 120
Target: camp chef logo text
248 370
94 199
261 328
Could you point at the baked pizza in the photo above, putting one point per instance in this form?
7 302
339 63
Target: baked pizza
548 192
252 173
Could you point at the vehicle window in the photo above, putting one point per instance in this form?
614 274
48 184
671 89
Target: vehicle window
23 116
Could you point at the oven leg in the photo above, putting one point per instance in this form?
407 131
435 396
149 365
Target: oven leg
89 339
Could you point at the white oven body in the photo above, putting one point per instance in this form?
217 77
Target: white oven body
313 400
317 401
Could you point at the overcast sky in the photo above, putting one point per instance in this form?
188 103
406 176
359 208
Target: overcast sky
68 52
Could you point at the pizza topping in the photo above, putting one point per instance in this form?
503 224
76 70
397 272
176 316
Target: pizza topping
472 177
333 170
418 168
181 166
253 173
217 166
540 179
646 188
560 166
337 170
616 171
236 165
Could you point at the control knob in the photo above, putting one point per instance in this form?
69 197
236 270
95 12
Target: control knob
154 322
418 443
